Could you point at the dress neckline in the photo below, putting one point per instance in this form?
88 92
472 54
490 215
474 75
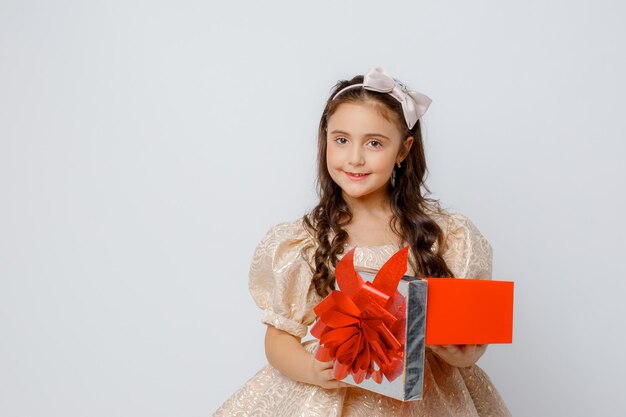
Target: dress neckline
389 245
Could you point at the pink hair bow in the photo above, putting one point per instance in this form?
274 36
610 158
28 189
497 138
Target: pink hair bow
414 104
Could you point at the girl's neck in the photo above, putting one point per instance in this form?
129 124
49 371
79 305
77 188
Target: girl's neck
369 206
370 224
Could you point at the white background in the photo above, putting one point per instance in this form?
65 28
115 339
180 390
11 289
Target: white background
146 147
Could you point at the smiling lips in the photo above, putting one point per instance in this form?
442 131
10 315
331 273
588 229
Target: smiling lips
354 176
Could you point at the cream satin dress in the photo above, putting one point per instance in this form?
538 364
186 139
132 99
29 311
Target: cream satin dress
280 283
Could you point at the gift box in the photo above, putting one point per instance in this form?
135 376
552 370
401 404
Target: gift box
410 382
376 327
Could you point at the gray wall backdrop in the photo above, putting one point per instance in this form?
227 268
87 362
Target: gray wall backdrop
146 147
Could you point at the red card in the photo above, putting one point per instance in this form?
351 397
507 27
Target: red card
469 311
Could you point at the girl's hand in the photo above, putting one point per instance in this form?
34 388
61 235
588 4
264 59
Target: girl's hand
322 375
459 355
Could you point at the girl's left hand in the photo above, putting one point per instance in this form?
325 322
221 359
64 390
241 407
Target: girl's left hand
459 355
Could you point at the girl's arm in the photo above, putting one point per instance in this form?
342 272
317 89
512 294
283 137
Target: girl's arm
285 353
468 254
459 355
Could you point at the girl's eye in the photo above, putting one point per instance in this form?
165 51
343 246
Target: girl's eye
375 143
341 140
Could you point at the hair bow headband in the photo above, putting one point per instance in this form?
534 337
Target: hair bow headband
414 104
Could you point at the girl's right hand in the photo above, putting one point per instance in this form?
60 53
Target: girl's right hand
322 375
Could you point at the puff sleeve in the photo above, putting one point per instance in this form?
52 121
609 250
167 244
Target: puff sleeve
467 252
280 278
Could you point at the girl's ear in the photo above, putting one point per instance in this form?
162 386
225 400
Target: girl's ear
404 151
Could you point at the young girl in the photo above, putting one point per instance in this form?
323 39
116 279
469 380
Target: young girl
371 170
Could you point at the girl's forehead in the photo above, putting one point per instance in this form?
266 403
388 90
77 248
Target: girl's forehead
362 117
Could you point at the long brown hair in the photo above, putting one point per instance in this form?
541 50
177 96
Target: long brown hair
408 198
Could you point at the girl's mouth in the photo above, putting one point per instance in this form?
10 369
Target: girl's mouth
354 176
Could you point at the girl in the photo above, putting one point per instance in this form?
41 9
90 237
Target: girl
371 171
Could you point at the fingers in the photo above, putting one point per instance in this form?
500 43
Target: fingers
455 348
475 349
469 349
329 381
335 384
328 375
324 375
323 365
446 348
459 355
437 349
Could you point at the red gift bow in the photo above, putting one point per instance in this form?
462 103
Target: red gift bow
364 323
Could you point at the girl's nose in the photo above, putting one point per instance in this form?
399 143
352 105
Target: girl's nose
356 156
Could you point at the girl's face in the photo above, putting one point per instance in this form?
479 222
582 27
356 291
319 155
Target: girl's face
362 149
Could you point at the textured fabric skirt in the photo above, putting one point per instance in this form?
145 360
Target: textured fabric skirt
448 391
